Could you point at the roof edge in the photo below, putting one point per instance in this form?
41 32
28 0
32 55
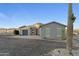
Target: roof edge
55 23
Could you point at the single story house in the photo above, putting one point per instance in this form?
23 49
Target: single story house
53 30
30 30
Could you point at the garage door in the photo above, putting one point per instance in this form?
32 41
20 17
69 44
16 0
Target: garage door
25 32
47 32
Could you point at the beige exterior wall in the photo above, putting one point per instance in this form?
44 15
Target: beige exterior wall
52 31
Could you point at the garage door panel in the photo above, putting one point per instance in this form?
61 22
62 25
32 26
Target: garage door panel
25 32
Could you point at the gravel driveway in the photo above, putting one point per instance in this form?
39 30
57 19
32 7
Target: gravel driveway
27 47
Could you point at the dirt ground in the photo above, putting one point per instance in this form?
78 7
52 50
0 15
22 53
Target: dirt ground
27 47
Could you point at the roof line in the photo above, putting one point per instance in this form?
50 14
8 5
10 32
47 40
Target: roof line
55 23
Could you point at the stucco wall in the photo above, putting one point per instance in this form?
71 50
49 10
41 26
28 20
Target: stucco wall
53 31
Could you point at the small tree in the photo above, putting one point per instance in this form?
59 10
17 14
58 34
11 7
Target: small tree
16 32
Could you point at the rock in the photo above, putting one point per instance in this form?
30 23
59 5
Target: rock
59 52
62 52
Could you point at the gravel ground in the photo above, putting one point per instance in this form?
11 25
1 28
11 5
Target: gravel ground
27 47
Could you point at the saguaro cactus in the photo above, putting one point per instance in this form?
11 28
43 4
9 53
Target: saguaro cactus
71 19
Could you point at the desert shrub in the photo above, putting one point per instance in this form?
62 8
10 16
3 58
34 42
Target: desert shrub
16 32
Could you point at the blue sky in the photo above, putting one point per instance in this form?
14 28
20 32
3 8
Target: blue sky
15 15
